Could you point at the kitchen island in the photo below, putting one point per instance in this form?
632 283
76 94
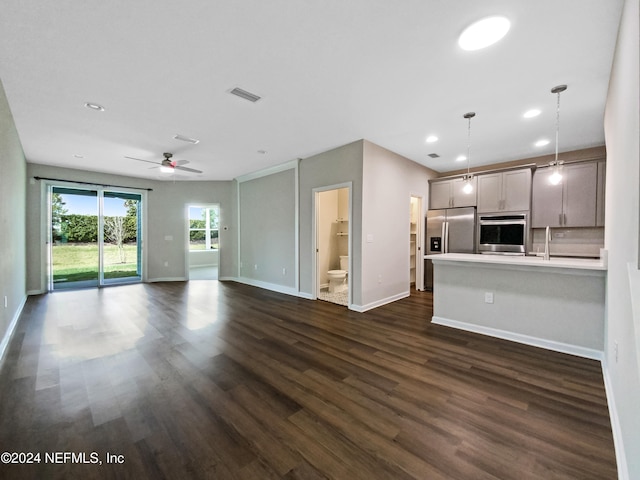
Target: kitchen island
556 304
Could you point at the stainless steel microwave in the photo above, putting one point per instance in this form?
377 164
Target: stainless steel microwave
505 234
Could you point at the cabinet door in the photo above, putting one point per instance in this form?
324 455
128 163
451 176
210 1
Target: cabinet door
460 198
516 190
546 201
489 192
440 195
602 175
579 203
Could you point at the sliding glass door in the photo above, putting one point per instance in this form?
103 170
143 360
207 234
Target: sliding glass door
121 248
75 259
94 237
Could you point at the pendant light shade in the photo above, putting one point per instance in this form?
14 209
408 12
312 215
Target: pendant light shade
468 186
556 176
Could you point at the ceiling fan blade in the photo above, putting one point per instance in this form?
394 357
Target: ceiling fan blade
141 160
186 169
181 162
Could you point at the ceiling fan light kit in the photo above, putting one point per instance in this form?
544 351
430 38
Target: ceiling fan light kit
167 165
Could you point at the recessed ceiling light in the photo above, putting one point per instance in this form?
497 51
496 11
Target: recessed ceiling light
542 143
262 152
94 106
483 33
461 158
78 156
432 138
534 112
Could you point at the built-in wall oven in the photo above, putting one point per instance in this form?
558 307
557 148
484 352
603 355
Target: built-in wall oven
505 233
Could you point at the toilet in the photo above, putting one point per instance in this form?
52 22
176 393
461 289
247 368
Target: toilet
338 278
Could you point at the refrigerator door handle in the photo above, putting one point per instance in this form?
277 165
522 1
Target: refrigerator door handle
445 237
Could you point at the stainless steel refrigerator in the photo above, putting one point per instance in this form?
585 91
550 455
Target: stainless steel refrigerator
449 231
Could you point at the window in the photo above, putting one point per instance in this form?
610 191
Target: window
203 227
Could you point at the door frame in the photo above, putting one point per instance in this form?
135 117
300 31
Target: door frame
315 195
46 278
187 262
420 245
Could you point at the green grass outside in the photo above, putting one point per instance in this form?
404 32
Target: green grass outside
77 262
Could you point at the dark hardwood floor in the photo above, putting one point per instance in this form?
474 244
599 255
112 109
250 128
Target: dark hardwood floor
225 381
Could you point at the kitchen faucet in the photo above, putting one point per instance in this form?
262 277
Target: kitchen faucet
547 239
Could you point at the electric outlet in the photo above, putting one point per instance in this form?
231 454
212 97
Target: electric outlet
166 264
615 349
6 302
255 267
284 271
379 278
488 297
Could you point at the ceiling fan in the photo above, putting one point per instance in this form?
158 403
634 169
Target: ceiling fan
167 165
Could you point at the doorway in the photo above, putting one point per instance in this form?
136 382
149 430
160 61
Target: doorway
94 237
416 261
332 237
203 230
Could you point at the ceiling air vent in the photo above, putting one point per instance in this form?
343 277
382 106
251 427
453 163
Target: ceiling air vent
252 97
434 155
186 139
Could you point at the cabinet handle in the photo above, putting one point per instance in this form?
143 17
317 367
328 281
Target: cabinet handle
564 218
559 219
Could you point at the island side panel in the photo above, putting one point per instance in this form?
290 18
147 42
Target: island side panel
561 307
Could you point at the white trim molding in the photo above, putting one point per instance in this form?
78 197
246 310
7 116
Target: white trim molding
621 457
4 345
274 287
378 303
576 350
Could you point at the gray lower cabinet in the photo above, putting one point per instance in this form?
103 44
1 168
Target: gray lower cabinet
571 203
508 191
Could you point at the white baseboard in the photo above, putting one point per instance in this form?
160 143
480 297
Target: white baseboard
576 350
378 303
228 279
621 458
306 296
166 279
6 339
274 287
36 292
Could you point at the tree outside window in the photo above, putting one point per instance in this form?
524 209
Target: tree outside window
203 228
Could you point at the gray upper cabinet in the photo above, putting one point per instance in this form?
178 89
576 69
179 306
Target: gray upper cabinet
571 203
602 176
449 194
508 191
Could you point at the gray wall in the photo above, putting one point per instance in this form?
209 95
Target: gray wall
621 239
12 221
340 165
389 181
166 217
268 230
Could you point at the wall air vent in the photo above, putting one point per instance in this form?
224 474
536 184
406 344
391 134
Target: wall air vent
434 155
252 97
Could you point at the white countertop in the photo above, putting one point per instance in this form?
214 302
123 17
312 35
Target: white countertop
522 261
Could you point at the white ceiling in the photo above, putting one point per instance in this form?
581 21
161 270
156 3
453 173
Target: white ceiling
329 72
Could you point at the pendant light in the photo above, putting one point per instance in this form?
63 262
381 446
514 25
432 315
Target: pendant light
468 187
556 176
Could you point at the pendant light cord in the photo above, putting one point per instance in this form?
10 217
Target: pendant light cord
469 148
469 116
557 126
